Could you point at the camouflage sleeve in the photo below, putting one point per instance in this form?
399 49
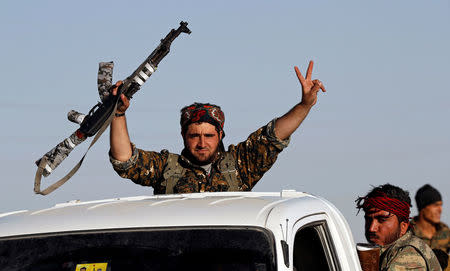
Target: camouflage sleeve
443 238
144 167
407 258
256 155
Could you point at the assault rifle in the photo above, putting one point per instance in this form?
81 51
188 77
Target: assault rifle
101 115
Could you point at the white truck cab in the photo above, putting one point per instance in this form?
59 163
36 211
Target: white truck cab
202 231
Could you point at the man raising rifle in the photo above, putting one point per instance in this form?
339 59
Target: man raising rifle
204 165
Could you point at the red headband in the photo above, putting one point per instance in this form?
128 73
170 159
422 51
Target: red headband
381 201
199 112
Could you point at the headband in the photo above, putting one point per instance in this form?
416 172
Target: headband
199 112
381 201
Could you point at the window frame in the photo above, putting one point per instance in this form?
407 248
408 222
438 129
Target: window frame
319 223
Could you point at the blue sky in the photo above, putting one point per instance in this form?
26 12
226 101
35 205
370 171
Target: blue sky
383 119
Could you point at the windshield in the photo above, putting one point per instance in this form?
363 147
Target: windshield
142 249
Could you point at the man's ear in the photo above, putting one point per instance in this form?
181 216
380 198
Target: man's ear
404 227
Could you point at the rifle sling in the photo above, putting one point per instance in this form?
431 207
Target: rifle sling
57 184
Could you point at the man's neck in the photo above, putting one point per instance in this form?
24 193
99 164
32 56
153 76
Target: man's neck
427 228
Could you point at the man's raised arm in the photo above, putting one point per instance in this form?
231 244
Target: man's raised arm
290 121
119 139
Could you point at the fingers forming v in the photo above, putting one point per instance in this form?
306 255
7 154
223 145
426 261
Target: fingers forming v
299 76
309 71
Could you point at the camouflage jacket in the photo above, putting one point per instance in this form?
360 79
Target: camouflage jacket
440 240
408 253
253 158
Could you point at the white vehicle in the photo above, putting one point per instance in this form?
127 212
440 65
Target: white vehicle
202 231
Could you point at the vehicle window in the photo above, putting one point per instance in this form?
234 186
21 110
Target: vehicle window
176 249
311 250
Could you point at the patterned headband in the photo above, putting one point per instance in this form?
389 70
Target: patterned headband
200 112
381 201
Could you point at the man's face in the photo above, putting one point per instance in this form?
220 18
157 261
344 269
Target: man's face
432 212
382 227
202 141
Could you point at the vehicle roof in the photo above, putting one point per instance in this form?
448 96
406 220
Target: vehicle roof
197 209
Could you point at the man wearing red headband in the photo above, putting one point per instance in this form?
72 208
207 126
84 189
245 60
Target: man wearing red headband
387 210
204 165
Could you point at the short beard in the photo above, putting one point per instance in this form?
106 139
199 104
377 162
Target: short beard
205 162
393 236
197 162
